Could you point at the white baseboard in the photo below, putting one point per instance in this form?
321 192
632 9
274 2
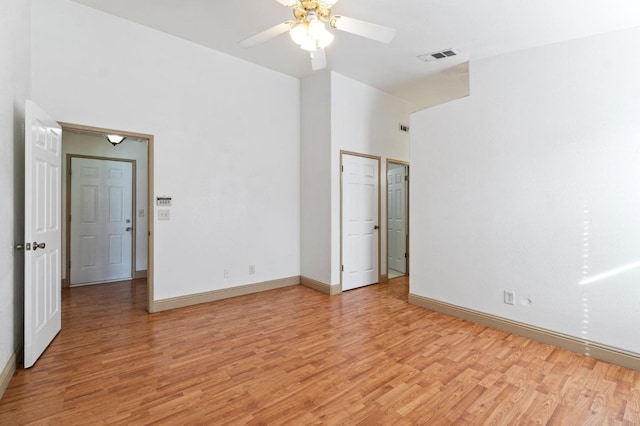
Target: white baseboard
328 289
7 373
595 350
225 293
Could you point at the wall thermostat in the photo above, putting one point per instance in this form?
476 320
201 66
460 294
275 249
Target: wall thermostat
163 201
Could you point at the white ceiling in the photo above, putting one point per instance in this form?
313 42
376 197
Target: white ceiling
476 28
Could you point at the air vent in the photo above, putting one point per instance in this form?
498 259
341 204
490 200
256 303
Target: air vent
428 57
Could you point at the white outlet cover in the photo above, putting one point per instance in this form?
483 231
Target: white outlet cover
509 297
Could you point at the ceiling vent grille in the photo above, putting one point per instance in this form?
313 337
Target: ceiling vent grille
428 57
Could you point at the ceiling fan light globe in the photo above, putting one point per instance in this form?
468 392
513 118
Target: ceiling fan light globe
299 33
325 39
329 3
316 29
309 45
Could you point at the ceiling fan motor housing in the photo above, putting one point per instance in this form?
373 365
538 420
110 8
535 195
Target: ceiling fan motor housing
314 8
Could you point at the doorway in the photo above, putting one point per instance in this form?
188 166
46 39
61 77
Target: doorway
360 220
88 141
397 218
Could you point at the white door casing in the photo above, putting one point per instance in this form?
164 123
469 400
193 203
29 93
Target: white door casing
397 218
42 304
360 227
101 227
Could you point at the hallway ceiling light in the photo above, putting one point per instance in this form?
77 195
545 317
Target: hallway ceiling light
115 139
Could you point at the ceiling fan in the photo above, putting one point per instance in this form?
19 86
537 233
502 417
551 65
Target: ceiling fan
308 30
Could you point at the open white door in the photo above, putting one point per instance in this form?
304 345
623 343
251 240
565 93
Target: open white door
397 217
42 311
360 228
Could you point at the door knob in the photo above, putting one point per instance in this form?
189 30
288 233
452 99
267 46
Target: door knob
376 227
36 246
128 228
20 246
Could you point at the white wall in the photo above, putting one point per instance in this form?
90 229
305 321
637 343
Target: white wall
14 89
532 184
315 177
226 140
97 146
364 120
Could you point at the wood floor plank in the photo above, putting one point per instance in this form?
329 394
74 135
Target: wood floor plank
296 356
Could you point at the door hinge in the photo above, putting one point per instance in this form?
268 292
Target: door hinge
406 177
342 268
69 171
405 255
69 218
342 168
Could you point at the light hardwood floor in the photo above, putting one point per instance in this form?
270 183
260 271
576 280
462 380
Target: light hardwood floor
296 356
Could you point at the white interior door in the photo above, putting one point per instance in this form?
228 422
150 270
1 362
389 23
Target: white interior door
42 310
101 220
397 217
360 228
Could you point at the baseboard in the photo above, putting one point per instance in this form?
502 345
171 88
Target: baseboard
384 278
7 373
570 343
225 293
327 289
136 276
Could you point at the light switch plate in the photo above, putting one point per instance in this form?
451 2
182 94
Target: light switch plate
164 214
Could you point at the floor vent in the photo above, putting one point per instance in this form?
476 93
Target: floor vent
428 57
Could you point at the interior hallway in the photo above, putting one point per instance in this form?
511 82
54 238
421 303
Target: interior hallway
296 356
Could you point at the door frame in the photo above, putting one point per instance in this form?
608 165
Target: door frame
150 194
374 157
406 164
134 216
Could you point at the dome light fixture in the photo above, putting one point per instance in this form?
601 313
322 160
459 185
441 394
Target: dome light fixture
115 139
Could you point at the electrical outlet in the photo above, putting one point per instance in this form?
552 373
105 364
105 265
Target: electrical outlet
252 269
226 273
509 297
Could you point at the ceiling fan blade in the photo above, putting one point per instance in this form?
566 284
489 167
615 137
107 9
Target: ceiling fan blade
363 28
266 35
318 60
287 3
